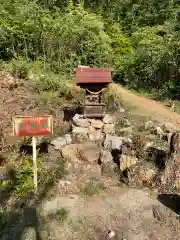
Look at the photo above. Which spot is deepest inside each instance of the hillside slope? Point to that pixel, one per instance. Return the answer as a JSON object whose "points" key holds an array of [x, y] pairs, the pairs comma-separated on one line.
{"points": [[146, 107]]}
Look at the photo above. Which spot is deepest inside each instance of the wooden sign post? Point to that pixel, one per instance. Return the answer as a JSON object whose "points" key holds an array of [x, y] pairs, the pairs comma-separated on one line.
{"points": [[33, 126], [34, 161]]}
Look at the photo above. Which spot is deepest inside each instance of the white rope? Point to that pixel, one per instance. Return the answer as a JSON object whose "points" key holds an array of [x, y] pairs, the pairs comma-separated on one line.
{"points": [[94, 93]]}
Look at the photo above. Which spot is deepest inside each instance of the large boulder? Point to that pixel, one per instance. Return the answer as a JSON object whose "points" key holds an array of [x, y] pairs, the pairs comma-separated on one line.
{"points": [[88, 152]]}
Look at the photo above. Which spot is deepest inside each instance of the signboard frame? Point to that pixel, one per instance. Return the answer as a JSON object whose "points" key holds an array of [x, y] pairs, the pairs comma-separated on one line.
{"points": [[33, 133]]}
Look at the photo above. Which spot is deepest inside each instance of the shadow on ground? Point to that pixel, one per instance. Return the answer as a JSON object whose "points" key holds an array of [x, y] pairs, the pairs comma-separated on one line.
{"points": [[158, 156], [171, 201], [14, 224]]}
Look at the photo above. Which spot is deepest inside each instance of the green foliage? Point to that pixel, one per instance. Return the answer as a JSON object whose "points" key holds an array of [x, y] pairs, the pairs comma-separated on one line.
{"points": [[60, 40], [155, 66], [139, 39], [61, 215], [93, 189], [24, 176], [121, 45]]}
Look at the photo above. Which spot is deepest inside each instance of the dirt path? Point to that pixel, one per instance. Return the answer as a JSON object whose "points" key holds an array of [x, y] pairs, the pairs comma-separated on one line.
{"points": [[146, 107], [126, 211]]}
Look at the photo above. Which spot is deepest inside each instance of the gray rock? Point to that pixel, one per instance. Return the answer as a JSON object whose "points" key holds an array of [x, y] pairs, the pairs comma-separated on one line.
{"points": [[112, 142], [169, 135], [4, 174], [80, 121], [92, 171], [70, 152], [118, 106], [160, 213], [77, 117], [97, 123], [106, 157], [159, 132], [126, 140], [149, 125], [149, 144], [108, 119], [169, 127], [63, 183], [127, 149], [121, 110], [68, 139], [59, 142], [109, 128], [80, 133], [109, 169], [88, 152], [96, 136]]}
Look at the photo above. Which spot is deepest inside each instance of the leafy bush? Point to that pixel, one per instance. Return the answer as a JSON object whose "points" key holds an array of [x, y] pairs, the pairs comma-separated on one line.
{"points": [[139, 39], [24, 176], [60, 40]]}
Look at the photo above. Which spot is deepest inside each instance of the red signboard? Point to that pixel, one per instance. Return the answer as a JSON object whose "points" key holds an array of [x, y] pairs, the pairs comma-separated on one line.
{"points": [[32, 126]]}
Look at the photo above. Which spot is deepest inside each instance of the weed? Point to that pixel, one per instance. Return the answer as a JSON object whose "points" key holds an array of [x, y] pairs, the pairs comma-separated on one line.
{"points": [[60, 215], [46, 180], [24, 176], [20, 69], [177, 106], [93, 189]]}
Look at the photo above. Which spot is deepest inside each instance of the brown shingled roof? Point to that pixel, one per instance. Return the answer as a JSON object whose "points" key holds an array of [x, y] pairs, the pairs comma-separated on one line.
{"points": [[93, 75]]}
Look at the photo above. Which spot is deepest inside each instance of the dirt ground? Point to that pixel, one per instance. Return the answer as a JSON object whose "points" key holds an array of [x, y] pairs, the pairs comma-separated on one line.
{"points": [[128, 212], [146, 107]]}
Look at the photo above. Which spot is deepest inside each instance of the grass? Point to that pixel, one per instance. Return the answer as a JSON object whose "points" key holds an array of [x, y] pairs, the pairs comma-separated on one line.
{"points": [[24, 175], [60, 215], [92, 189], [177, 106]]}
